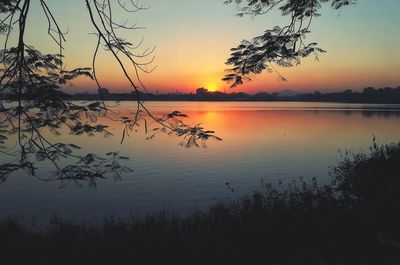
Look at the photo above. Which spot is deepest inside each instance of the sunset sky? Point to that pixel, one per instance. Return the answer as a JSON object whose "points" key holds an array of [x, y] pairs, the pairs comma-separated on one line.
{"points": [[193, 40]]}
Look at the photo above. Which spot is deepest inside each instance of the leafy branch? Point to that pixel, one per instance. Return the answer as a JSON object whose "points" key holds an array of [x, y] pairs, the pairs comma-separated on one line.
{"points": [[282, 46], [32, 105]]}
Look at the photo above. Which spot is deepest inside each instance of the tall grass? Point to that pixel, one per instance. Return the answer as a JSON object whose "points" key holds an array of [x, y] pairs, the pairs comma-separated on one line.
{"points": [[354, 220]]}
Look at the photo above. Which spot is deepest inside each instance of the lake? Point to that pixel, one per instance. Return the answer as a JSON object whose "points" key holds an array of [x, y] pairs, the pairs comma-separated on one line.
{"points": [[269, 141]]}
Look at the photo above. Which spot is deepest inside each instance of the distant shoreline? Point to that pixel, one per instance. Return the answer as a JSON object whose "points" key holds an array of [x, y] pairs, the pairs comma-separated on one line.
{"points": [[239, 101], [369, 95]]}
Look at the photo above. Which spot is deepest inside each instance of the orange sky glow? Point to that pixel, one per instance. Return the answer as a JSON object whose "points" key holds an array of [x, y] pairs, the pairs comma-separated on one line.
{"points": [[193, 40]]}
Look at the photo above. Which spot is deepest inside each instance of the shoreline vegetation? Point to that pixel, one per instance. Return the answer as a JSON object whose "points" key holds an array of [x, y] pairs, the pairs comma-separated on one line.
{"points": [[353, 220], [385, 95]]}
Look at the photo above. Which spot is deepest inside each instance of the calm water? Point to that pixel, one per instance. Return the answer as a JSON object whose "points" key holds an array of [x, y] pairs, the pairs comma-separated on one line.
{"points": [[269, 141]]}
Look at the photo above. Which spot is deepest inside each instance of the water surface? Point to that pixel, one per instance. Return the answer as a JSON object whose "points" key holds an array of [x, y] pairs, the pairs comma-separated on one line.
{"points": [[271, 141]]}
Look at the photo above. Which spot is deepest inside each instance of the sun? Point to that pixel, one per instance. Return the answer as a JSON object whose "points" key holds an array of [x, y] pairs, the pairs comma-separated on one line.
{"points": [[212, 87]]}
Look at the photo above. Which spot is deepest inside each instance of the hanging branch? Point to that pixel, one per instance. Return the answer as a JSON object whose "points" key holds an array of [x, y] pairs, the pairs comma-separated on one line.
{"points": [[32, 103], [101, 14], [282, 46]]}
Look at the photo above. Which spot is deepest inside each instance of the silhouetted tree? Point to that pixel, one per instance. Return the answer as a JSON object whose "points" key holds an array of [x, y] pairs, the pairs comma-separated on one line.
{"points": [[284, 46], [33, 80]]}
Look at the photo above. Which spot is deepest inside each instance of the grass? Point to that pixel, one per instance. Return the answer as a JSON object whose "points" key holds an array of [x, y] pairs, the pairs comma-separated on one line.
{"points": [[354, 220]]}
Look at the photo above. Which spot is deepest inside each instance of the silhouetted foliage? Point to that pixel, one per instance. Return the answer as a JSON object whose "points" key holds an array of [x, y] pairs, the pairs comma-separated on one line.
{"points": [[353, 220], [32, 104], [284, 46], [385, 95], [371, 179]]}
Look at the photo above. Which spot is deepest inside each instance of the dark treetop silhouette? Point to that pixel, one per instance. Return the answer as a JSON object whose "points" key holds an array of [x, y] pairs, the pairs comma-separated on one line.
{"points": [[283, 46], [34, 79], [383, 95]]}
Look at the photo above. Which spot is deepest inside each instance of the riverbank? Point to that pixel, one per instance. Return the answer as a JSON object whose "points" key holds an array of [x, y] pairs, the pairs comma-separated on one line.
{"points": [[353, 220]]}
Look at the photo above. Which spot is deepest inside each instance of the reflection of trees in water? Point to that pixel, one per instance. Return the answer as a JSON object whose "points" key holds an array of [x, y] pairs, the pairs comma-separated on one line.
{"points": [[364, 113], [372, 113], [385, 114]]}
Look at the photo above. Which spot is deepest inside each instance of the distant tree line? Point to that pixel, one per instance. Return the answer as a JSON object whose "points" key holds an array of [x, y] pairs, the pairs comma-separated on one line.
{"points": [[368, 95], [385, 95]]}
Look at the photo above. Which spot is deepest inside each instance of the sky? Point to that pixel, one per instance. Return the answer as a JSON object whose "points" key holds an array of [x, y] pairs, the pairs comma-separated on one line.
{"points": [[193, 40]]}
